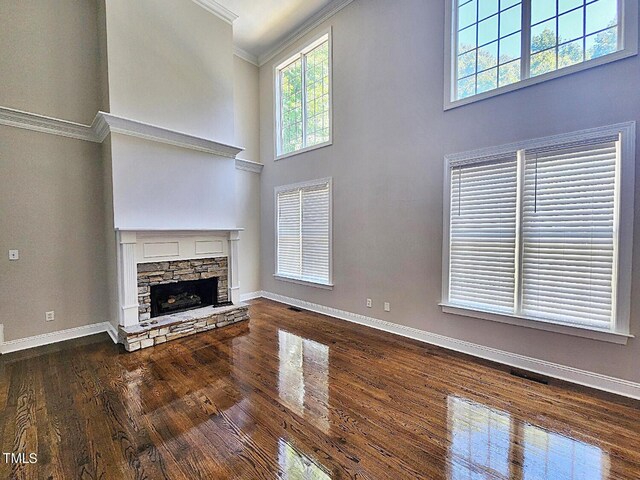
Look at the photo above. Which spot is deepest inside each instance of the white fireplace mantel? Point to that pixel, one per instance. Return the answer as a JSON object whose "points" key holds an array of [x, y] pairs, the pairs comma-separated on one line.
{"points": [[136, 246]]}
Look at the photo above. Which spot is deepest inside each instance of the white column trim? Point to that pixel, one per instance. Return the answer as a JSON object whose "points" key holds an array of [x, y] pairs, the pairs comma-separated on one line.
{"points": [[128, 275], [234, 284]]}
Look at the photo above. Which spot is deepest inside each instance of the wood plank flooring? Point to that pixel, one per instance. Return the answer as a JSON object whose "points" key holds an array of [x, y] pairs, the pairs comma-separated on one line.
{"points": [[297, 395]]}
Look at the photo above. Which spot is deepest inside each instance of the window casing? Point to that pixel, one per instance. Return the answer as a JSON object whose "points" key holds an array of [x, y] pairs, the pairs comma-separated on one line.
{"points": [[533, 231], [495, 46], [304, 233], [303, 99]]}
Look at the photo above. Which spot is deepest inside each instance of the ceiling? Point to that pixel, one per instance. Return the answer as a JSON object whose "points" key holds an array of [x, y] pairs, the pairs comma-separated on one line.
{"points": [[263, 24]]}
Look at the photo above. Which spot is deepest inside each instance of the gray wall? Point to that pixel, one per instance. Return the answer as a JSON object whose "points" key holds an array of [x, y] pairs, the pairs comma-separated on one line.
{"points": [[247, 135], [170, 64], [51, 202], [49, 61], [390, 137], [50, 187]]}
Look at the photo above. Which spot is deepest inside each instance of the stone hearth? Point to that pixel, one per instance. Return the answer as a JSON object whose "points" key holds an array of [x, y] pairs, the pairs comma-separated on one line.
{"points": [[170, 327]]}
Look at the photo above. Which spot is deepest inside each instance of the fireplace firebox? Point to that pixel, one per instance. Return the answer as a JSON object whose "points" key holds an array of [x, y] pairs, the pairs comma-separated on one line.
{"points": [[176, 297]]}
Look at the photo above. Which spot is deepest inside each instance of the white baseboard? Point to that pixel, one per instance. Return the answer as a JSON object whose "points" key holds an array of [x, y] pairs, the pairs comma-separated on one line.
{"points": [[54, 337], [598, 381], [111, 330], [251, 295]]}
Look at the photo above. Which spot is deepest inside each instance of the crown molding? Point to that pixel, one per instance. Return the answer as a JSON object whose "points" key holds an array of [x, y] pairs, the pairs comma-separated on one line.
{"points": [[248, 165], [41, 123], [218, 10], [313, 21], [106, 123], [246, 56]]}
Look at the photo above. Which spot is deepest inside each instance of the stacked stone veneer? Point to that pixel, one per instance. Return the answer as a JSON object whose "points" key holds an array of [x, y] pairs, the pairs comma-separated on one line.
{"points": [[171, 327], [177, 271]]}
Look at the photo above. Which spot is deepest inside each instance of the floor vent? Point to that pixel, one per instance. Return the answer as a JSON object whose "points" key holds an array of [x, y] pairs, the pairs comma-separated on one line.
{"points": [[530, 376], [295, 309]]}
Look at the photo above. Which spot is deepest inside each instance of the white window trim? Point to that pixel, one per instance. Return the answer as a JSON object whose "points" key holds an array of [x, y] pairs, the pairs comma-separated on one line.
{"points": [[315, 41], [619, 332], [295, 186], [629, 47]]}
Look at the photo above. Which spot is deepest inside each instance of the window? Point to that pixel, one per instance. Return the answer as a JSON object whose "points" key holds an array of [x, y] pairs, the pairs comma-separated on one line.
{"points": [[303, 99], [303, 230], [500, 43], [534, 231]]}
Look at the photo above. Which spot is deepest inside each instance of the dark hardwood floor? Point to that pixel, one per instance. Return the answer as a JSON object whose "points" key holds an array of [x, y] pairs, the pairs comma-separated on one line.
{"points": [[296, 395]]}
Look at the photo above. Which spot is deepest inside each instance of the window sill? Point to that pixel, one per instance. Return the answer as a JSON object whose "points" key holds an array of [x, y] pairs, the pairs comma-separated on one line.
{"points": [[325, 286], [619, 338], [612, 57], [303, 150]]}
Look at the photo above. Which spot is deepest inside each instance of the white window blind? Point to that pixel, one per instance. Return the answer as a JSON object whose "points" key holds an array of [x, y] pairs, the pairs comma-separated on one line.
{"points": [[569, 234], [304, 232], [536, 234], [483, 234]]}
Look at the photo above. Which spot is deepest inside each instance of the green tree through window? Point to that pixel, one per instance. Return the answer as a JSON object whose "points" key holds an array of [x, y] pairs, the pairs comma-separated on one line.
{"points": [[304, 100], [488, 53]]}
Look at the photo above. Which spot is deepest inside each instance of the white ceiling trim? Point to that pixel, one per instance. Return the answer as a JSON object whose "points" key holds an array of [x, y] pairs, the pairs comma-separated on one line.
{"points": [[218, 10], [313, 21], [243, 54]]}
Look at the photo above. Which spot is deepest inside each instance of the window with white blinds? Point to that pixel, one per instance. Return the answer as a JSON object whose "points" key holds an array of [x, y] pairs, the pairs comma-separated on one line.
{"points": [[303, 231], [483, 234], [569, 233], [534, 232]]}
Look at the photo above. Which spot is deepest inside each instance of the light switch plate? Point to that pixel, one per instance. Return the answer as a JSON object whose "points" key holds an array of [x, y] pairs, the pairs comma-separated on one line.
{"points": [[14, 254]]}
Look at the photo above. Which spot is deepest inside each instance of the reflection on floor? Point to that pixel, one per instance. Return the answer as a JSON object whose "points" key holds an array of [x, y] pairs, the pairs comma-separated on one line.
{"points": [[297, 466], [487, 442], [295, 396], [302, 377]]}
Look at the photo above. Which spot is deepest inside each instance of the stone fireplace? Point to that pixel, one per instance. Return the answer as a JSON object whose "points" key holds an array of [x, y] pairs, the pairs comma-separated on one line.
{"points": [[173, 284], [170, 287]]}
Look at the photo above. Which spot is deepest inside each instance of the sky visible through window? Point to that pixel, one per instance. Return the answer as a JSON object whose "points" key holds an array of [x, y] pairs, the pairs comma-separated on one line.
{"points": [[489, 47]]}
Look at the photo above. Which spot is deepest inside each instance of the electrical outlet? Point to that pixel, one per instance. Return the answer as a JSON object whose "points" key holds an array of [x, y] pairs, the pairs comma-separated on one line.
{"points": [[368, 303], [50, 316], [14, 254], [387, 307]]}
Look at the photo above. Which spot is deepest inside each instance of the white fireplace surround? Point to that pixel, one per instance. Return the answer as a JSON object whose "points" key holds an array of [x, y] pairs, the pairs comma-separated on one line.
{"points": [[147, 246]]}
